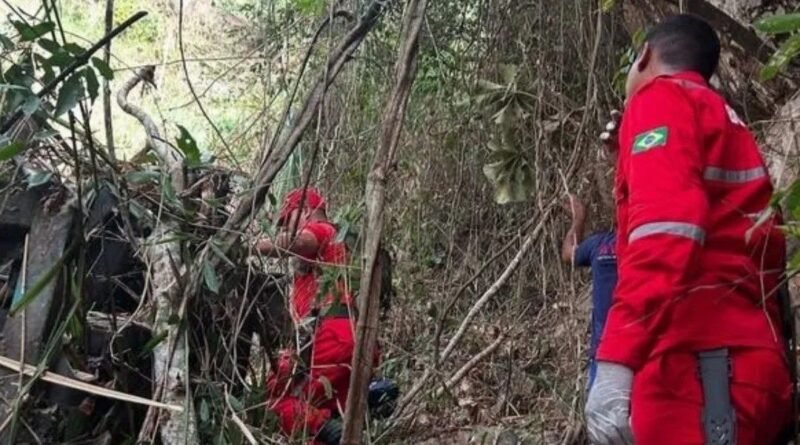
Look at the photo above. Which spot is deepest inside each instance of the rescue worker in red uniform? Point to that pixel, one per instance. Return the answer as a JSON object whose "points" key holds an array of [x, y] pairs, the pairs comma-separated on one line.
{"points": [[308, 389], [692, 352]]}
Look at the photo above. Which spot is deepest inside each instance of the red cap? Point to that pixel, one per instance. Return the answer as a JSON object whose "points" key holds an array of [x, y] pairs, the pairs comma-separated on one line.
{"points": [[313, 201]]}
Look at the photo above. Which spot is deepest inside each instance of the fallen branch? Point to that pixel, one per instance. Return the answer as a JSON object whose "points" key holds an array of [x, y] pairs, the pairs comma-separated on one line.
{"points": [[472, 363], [58, 379], [375, 197]]}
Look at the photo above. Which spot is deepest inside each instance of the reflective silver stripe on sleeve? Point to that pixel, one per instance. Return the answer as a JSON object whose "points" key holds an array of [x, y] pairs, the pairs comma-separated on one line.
{"points": [[686, 230], [734, 176]]}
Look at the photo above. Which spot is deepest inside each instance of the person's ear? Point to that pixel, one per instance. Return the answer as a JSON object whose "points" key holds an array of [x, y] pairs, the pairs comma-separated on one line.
{"points": [[645, 57]]}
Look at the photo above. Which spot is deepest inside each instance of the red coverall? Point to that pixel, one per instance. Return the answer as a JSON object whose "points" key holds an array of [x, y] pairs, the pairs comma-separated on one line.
{"points": [[693, 273], [306, 403]]}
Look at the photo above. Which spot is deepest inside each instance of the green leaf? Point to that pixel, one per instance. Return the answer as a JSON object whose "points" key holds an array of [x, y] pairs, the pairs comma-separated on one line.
{"points": [[74, 49], [779, 24], [21, 73], [7, 43], [188, 145], [788, 50], [510, 174], [489, 86], [38, 178], [103, 67], [49, 45], [509, 73], [31, 104], [92, 85], [344, 230], [218, 252], [10, 149], [638, 39], [769, 71], [501, 117], [61, 59], [47, 67], [309, 7], [8, 86], [793, 200], [608, 5], [48, 276], [44, 134], [204, 411], [142, 176], [137, 210], [152, 343], [210, 278], [794, 264], [168, 190], [69, 95], [236, 404], [29, 33]]}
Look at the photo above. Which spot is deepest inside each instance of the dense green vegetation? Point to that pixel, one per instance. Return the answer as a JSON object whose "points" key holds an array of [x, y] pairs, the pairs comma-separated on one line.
{"points": [[502, 122]]}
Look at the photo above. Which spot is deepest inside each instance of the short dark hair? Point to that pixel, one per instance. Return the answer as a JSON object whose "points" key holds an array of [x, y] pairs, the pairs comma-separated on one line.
{"points": [[686, 42]]}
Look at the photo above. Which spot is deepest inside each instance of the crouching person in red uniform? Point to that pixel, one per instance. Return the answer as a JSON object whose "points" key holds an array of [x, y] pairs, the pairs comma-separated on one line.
{"points": [[692, 352], [308, 389]]}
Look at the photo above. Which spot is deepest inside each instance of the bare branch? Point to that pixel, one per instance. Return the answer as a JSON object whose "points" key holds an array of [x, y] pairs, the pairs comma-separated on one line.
{"points": [[107, 85], [472, 363]]}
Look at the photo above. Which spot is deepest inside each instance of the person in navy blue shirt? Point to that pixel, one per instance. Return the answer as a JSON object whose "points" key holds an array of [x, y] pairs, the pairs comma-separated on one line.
{"points": [[598, 253]]}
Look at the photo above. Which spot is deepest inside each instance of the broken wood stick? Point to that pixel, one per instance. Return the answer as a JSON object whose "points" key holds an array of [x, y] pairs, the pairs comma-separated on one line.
{"points": [[471, 364], [58, 379]]}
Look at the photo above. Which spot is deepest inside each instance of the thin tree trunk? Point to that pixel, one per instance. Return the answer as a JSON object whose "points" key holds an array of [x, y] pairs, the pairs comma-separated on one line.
{"points": [[368, 303], [107, 85]]}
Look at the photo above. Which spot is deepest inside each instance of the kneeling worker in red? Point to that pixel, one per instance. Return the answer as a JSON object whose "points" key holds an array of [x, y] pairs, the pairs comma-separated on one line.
{"points": [[309, 388], [692, 351]]}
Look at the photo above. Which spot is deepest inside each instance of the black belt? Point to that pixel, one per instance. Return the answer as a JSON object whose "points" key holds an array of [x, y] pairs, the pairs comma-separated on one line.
{"points": [[719, 417]]}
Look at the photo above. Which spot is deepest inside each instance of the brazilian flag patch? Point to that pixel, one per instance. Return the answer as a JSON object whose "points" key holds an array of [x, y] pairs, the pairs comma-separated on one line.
{"points": [[650, 139]]}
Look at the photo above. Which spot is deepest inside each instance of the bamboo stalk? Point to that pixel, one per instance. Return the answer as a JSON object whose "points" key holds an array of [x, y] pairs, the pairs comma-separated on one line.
{"points": [[58, 379]]}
